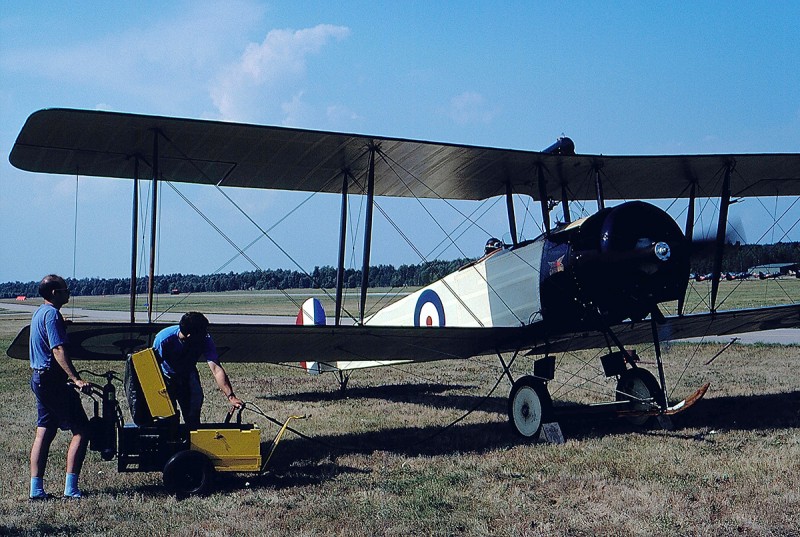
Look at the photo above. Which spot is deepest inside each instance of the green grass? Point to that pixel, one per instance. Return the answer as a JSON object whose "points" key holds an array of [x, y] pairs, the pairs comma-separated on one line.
{"points": [[750, 293], [286, 303], [379, 461]]}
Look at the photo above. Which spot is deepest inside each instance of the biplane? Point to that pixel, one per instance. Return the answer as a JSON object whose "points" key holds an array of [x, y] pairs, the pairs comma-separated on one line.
{"points": [[600, 281]]}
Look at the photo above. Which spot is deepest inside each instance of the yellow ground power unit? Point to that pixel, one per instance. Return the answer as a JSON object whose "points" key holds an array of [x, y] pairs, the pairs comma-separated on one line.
{"points": [[231, 448], [158, 441]]}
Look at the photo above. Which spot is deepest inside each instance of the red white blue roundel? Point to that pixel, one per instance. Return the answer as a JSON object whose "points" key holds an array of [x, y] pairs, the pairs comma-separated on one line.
{"points": [[429, 310]]}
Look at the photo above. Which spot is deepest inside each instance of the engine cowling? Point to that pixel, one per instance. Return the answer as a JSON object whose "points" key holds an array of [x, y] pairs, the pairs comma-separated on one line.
{"points": [[619, 263]]}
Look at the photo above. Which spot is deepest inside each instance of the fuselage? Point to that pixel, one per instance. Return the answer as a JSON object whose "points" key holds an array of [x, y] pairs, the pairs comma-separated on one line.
{"points": [[616, 264]]}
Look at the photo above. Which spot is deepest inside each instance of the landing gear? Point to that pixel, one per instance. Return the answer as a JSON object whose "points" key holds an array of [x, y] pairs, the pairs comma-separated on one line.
{"points": [[529, 406], [641, 388], [188, 472]]}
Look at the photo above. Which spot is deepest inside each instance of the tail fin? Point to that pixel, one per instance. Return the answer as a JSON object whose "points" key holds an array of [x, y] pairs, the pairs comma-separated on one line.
{"points": [[311, 313]]}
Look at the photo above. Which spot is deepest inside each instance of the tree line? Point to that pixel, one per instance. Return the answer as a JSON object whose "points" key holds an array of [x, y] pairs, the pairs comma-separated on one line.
{"points": [[737, 258], [740, 257], [320, 277]]}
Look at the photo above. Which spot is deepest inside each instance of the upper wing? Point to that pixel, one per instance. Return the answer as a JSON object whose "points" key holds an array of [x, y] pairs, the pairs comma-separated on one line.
{"points": [[293, 343], [108, 144]]}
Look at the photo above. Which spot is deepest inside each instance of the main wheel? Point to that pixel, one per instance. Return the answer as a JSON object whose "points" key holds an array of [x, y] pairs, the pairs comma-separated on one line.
{"points": [[188, 472], [641, 388], [529, 406]]}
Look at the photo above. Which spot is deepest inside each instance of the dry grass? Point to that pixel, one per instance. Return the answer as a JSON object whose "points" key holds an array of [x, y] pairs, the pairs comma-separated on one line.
{"points": [[380, 463], [271, 302]]}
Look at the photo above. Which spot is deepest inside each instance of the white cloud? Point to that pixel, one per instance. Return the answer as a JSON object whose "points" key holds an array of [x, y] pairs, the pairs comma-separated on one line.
{"points": [[268, 75], [165, 66], [338, 114], [295, 111], [471, 107]]}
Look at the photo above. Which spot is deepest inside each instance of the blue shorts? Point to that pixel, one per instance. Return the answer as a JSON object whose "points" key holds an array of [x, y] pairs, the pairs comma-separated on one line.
{"points": [[58, 404]]}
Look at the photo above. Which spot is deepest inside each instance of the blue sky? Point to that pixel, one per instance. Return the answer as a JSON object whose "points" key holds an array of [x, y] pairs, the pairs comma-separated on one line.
{"points": [[619, 78]]}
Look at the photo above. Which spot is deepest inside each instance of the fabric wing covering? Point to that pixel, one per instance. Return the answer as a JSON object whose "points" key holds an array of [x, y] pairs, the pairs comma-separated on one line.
{"points": [[107, 144], [292, 343]]}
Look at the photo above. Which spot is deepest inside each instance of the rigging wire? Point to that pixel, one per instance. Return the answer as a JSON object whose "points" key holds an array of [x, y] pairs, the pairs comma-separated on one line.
{"points": [[260, 228], [75, 239], [444, 282], [433, 253]]}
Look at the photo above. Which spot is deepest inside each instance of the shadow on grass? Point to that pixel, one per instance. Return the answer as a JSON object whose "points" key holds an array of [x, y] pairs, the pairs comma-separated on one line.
{"points": [[41, 528], [745, 413], [310, 461], [430, 394]]}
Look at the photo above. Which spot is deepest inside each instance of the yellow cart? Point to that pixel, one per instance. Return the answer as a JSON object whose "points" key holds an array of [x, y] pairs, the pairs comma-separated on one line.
{"points": [[188, 458]]}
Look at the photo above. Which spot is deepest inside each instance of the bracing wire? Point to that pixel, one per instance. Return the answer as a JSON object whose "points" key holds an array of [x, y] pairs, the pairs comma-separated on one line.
{"points": [[75, 238], [259, 227], [391, 165]]}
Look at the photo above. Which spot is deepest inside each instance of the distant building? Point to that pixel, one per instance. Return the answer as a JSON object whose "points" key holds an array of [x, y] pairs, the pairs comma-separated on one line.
{"points": [[775, 269]]}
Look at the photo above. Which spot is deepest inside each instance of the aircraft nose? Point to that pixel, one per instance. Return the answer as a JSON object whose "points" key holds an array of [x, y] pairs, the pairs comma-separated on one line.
{"points": [[641, 260]]}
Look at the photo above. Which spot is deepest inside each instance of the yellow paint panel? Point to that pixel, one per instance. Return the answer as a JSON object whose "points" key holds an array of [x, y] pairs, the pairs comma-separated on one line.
{"points": [[152, 382], [230, 450]]}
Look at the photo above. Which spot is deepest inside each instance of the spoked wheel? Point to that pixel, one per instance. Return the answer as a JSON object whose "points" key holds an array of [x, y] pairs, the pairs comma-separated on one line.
{"points": [[641, 388], [188, 472], [529, 406]]}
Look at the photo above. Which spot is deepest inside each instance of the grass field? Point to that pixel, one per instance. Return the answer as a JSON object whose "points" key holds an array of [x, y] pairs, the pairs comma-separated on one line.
{"points": [[733, 294], [271, 302], [381, 461]]}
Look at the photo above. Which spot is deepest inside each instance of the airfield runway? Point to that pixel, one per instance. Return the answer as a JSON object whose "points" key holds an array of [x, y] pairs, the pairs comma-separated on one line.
{"points": [[82, 314], [781, 336]]}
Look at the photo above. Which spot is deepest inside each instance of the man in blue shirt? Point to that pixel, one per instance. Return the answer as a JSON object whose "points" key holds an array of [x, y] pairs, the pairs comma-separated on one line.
{"points": [[178, 349], [58, 404]]}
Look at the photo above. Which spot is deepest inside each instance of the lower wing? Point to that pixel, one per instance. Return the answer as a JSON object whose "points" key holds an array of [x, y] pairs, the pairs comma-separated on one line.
{"points": [[298, 343]]}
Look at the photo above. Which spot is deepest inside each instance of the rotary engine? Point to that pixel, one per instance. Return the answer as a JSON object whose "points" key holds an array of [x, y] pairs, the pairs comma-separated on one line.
{"points": [[619, 263]]}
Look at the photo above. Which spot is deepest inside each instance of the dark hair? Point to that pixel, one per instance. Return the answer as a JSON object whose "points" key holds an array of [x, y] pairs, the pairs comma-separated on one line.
{"points": [[194, 324], [50, 283]]}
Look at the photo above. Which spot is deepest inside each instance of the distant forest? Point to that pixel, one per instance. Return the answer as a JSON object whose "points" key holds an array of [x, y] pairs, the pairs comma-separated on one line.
{"points": [[738, 258], [320, 277]]}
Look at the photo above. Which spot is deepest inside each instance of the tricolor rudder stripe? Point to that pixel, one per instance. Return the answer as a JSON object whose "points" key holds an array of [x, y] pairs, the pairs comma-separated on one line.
{"points": [[311, 313]]}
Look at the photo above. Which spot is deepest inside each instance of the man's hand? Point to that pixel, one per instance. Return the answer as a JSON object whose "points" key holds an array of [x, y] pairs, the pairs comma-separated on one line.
{"points": [[83, 386], [235, 401]]}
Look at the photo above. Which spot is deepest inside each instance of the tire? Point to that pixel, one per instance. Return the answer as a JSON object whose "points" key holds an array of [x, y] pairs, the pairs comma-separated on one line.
{"points": [[637, 384], [529, 406], [188, 472]]}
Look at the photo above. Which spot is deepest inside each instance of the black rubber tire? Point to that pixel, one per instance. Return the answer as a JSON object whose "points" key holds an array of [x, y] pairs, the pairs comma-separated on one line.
{"points": [[188, 472], [642, 384], [529, 406]]}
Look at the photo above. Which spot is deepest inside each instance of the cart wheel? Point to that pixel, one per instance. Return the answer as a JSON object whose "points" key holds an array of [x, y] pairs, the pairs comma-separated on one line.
{"points": [[529, 405], [636, 384], [188, 472]]}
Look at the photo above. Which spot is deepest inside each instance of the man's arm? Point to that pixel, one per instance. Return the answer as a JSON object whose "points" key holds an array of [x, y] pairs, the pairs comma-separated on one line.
{"points": [[224, 384], [60, 354]]}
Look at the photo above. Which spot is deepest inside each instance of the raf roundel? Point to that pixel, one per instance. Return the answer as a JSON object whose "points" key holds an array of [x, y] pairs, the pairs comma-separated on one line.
{"points": [[429, 310]]}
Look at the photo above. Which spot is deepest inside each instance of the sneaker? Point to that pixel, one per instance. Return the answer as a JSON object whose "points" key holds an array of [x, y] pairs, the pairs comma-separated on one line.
{"points": [[41, 497]]}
